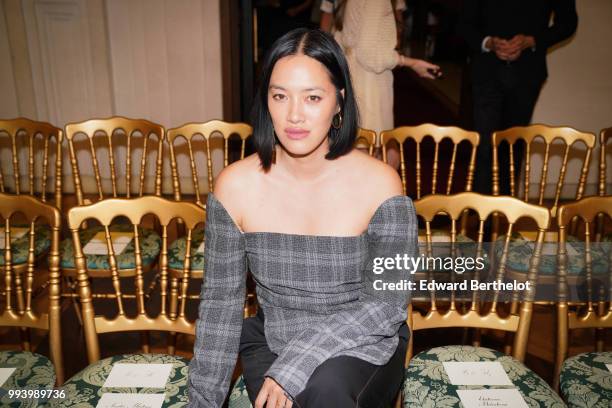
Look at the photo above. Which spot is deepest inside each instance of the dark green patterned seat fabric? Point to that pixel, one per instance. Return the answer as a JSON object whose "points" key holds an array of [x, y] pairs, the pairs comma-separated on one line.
{"points": [[84, 389], [586, 382], [520, 251], [33, 371], [427, 385], [20, 247], [238, 397], [177, 250], [150, 244]]}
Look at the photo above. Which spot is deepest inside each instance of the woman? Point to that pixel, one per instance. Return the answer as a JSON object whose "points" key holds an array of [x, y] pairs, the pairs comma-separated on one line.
{"points": [[367, 31], [308, 214]]}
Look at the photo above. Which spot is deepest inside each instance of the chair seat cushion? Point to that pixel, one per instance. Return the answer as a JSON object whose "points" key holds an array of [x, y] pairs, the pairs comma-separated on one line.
{"points": [[520, 251], [33, 371], [427, 385], [586, 381], [150, 244], [177, 250], [21, 246], [84, 389], [238, 397]]}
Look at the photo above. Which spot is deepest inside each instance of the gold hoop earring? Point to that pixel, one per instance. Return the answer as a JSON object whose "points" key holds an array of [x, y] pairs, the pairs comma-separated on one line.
{"points": [[337, 121]]}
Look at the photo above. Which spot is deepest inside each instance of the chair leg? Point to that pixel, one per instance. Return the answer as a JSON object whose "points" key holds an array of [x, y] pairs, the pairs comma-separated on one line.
{"points": [[145, 342], [173, 312], [26, 343]]}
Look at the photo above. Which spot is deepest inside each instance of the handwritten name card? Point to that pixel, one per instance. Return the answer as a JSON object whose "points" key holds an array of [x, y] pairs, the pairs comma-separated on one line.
{"points": [[138, 375], [476, 373], [97, 245], [5, 373], [491, 398], [16, 233], [109, 400]]}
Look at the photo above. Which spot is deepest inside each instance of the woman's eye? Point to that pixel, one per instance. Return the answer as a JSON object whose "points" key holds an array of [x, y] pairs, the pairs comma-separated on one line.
{"points": [[278, 97], [314, 98]]}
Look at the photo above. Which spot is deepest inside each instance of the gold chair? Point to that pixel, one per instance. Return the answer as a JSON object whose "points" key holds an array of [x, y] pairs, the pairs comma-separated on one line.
{"points": [[99, 134], [548, 135], [134, 311], [438, 133], [103, 131], [366, 139], [38, 138], [426, 382], [604, 137], [30, 288], [190, 132], [583, 375]]}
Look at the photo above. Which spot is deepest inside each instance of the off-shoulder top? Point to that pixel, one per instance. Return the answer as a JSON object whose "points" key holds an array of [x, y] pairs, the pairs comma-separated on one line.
{"points": [[317, 294]]}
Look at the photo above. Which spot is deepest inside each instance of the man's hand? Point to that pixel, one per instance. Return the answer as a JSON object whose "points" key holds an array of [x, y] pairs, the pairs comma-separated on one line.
{"points": [[273, 394], [510, 50]]}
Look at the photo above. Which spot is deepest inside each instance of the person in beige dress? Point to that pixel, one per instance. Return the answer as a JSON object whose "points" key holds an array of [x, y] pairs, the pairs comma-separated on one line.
{"points": [[366, 30]]}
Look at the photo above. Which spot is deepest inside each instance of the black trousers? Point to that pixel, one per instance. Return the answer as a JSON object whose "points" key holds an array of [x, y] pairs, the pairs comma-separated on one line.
{"points": [[502, 98], [339, 382]]}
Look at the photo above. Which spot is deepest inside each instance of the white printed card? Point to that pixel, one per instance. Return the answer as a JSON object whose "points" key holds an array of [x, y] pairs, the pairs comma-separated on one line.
{"points": [[5, 373], [138, 375], [97, 245], [498, 398], [476, 373], [109, 400]]}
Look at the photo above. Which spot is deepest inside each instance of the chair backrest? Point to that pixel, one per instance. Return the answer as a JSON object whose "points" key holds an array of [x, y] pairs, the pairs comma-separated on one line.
{"points": [[99, 137], [18, 264], [438, 134], [445, 311], [366, 138], [547, 134], [604, 137], [43, 142], [596, 312], [149, 314], [191, 132]]}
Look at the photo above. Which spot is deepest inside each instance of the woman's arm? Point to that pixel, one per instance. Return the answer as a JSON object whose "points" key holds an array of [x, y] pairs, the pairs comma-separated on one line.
{"points": [[377, 315], [220, 313]]}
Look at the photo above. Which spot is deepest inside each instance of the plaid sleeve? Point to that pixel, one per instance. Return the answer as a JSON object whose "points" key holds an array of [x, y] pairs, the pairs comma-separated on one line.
{"points": [[220, 312], [377, 316]]}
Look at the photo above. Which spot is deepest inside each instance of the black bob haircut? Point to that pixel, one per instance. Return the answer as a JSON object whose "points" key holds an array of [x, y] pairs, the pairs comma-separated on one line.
{"points": [[322, 47]]}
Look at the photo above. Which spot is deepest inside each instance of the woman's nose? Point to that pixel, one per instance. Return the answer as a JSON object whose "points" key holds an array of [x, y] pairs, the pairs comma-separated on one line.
{"points": [[296, 114]]}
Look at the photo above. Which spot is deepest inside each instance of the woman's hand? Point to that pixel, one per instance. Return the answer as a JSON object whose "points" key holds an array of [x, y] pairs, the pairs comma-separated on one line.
{"points": [[273, 394], [421, 67]]}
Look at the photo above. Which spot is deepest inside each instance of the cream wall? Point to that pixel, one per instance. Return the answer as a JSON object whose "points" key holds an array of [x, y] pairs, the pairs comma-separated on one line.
{"points": [[578, 92], [71, 60]]}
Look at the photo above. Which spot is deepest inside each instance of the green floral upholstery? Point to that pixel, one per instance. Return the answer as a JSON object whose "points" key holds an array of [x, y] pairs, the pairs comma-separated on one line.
{"points": [[33, 371], [239, 397], [427, 385], [586, 382], [177, 250], [150, 244], [84, 389], [20, 247], [520, 252]]}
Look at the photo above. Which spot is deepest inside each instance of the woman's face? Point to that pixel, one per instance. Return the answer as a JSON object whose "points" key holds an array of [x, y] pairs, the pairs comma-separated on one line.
{"points": [[302, 103]]}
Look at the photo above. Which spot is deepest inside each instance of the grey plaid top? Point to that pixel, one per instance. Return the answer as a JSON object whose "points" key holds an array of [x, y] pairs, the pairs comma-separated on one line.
{"points": [[316, 293]]}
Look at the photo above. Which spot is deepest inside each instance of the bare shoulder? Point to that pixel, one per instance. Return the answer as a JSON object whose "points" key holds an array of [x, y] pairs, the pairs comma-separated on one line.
{"points": [[235, 183], [378, 180]]}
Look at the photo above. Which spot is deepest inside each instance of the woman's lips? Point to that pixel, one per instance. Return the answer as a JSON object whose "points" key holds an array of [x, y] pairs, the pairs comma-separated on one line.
{"points": [[296, 134]]}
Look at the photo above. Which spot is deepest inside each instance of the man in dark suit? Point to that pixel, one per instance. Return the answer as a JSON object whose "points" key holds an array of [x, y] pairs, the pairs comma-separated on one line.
{"points": [[508, 40]]}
